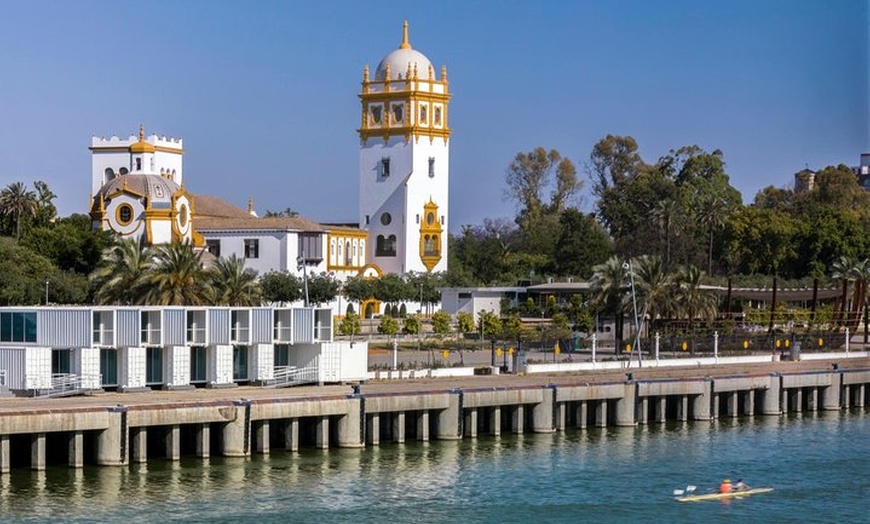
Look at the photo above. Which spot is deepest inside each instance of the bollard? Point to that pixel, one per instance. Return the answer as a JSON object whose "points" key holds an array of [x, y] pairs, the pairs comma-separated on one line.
{"points": [[716, 344], [657, 344], [594, 345]]}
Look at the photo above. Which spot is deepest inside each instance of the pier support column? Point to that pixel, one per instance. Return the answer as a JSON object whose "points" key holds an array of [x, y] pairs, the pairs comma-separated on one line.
{"points": [[542, 412], [625, 405], [813, 400], [5, 457], [859, 398], [683, 415], [799, 400], [37, 452], [373, 429], [321, 437], [237, 431], [139, 445], [423, 426], [203, 441], [847, 397], [731, 405], [661, 407], [399, 427], [173, 442], [449, 420], [561, 416], [350, 426], [495, 421], [601, 413], [518, 420], [112, 441], [783, 401], [831, 394], [291, 435], [76, 449], [771, 405], [749, 403], [643, 413], [262, 443], [717, 401], [701, 403], [582, 414], [471, 423]]}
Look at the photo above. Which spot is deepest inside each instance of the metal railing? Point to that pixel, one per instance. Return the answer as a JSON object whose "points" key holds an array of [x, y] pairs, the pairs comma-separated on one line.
{"points": [[287, 376], [68, 384]]}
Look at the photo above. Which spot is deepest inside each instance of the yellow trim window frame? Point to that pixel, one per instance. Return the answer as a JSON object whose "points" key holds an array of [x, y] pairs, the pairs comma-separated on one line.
{"points": [[124, 214]]}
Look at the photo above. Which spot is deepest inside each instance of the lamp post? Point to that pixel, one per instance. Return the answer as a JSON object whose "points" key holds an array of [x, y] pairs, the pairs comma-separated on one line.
{"points": [[46, 291], [300, 264], [627, 266]]}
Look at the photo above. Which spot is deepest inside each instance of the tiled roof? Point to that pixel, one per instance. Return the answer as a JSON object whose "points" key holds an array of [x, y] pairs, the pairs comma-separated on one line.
{"points": [[212, 206]]}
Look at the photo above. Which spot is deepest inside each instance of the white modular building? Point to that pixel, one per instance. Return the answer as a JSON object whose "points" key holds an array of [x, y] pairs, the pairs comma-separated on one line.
{"points": [[131, 348]]}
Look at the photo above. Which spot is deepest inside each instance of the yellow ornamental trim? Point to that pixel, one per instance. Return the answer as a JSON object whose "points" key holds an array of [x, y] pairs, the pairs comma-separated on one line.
{"points": [[431, 236]]}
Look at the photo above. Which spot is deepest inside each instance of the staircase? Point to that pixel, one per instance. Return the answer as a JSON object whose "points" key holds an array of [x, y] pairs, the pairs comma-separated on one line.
{"points": [[68, 384], [287, 376]]}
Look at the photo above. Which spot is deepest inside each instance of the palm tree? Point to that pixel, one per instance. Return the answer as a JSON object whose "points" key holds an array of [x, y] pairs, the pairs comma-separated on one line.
{"points": [[177, 277], [665, 214], [17, 202], [851, 269], [693, 301], [232, 284], [610, 288], [711, 217], [654, 286], [122, 273]]}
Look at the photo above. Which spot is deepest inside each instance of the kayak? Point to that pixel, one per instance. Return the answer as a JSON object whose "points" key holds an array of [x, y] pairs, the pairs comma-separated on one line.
{"points": [[721, 496]]}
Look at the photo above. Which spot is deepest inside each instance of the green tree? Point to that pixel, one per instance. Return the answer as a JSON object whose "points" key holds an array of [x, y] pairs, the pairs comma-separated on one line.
{"points": [[583, 243], [322, 288], [609, 287], [280, 286], [70, 243], [692, 300], [613, 160], [411, 325], [359, 288], [122, 275], [489, 324], [441, 323], [654, 287], [350, 325], [392, 288], [232, 284], [18, 204], [176, 277], [388, 326], [465, 322]]}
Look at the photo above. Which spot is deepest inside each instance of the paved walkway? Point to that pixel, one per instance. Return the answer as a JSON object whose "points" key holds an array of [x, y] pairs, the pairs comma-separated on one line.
{"points": [[212, 396]]}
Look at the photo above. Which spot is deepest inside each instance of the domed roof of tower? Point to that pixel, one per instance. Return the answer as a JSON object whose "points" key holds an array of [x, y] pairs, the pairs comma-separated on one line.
{"points": [[157, 189], [401, 59]]}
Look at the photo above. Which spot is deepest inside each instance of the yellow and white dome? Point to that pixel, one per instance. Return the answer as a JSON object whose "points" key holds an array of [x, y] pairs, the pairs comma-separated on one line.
{"points": [[402, 59]]}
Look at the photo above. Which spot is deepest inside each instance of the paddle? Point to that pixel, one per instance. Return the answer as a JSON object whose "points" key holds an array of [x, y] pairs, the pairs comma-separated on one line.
{"points": [[689, 489]]}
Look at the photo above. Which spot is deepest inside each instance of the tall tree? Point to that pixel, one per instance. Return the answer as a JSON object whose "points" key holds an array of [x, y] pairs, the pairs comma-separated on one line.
{"points": [[232, 284], [18, 204], [280, 286], [582, 244], [613, 159], [121, 277], [322, 288], [177, 277], [609, 290]]}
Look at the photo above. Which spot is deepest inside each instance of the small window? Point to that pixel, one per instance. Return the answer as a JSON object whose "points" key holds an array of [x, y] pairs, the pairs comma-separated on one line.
{"points": [[430, 218], [424, 116], [182, 216], [431, 167], [385, 167], [123, 171], [386, 219], [213, 247], [138, 164], [437, 116], [376, 115], [367, 220], [125, 214], [418, 218], [252, 248], [398, 113]]}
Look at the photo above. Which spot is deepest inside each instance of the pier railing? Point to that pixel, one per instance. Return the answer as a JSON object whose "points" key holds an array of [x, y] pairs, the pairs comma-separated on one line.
{"points": [[287, 376], [68, 384]]}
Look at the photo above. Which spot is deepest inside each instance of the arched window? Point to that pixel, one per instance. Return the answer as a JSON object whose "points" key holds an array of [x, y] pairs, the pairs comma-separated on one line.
{"points": [[109, 175], [123, 171], [386, 246], [348, 256]]}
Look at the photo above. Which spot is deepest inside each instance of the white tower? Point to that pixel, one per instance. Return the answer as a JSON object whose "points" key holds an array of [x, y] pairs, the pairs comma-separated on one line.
{"points": [[403, 162]]}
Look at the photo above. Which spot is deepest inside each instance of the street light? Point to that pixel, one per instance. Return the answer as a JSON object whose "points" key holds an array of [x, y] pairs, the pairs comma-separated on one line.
{"points": [[628, 267], [300, 264], [46, 291]]}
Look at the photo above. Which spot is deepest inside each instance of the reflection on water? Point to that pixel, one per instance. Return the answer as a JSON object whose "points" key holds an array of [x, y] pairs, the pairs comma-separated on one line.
{"points": [[599, 474]]}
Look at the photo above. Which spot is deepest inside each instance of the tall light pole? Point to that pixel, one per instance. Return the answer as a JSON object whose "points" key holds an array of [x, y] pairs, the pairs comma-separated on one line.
{"points": [[300, 261], [636, 345], [46, 291]]}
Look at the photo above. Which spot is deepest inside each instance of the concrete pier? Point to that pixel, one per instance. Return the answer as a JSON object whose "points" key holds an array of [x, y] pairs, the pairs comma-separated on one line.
{"points": [[117, 434]]}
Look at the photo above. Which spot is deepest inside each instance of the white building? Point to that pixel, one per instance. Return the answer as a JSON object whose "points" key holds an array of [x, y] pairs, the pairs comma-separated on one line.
{"points": [[403, 163], [130, 348], [137, 190]]}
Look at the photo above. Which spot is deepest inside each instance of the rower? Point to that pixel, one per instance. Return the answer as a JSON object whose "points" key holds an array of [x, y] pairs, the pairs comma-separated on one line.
{"points": [[725, 487]]}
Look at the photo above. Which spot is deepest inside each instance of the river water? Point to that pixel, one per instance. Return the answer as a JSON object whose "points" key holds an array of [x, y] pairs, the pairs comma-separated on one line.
{"points": [[819, 465]]}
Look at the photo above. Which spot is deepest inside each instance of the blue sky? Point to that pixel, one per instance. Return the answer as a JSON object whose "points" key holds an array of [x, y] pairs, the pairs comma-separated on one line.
{"points": [[265, 93]]}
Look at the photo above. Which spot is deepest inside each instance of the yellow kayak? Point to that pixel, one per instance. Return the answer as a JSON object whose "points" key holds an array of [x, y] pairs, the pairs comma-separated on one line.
{"points": [[720, 496]]}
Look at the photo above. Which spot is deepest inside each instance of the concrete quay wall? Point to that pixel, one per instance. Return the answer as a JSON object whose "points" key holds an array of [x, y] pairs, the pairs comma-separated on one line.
{"points": [[117, 435]]}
